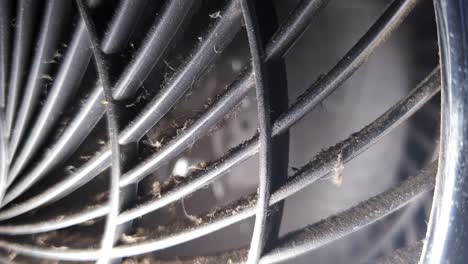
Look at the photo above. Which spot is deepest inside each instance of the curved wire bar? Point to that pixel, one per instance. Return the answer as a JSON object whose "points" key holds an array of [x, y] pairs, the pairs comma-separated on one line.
{"points": [[262, 91], [109, 235]]}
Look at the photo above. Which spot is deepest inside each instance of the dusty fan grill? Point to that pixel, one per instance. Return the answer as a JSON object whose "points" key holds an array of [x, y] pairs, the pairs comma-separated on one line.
{"points": [[35, 145]]}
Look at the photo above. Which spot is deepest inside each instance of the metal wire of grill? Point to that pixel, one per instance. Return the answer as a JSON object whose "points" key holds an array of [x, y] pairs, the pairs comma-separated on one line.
{"points": [[109, 233], [262, 91], [19, 178]]}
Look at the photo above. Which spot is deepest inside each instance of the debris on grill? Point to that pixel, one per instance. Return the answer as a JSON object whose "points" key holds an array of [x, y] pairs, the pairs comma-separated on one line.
{"points": [[229, 257], [337, 176]]}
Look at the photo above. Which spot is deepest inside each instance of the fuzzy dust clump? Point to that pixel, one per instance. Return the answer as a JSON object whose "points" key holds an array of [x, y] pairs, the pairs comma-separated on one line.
{"points": [[337, 173]]}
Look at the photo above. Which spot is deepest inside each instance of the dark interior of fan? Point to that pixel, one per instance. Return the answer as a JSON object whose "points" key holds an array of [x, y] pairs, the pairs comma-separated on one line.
{"points": [[195, 131]]}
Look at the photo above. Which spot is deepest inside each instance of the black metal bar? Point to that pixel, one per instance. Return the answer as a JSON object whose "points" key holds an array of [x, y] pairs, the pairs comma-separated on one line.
{"points": [[269, 26], [447, 234], [262, 91], [110, 234]]}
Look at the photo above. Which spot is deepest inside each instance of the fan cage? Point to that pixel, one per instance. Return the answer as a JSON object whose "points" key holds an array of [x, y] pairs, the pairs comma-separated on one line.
{"points": [[21, 145]]}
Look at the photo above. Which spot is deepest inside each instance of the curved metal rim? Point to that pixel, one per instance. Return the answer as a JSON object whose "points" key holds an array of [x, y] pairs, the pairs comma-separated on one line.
{"points": [[447, 235]]}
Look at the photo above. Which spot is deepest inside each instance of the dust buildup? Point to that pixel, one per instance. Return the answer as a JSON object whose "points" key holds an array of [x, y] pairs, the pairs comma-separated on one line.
{"points": [[156, 189], [230, 257], [216, 14], [63, 239], [138, 236], [337, 176], [46, 77], [231, 209], [189, 216], [183, 224]]}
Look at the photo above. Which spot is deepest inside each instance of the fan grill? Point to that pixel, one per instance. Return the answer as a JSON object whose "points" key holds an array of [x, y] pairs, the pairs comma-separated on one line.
{"points": [[22, 148]]}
